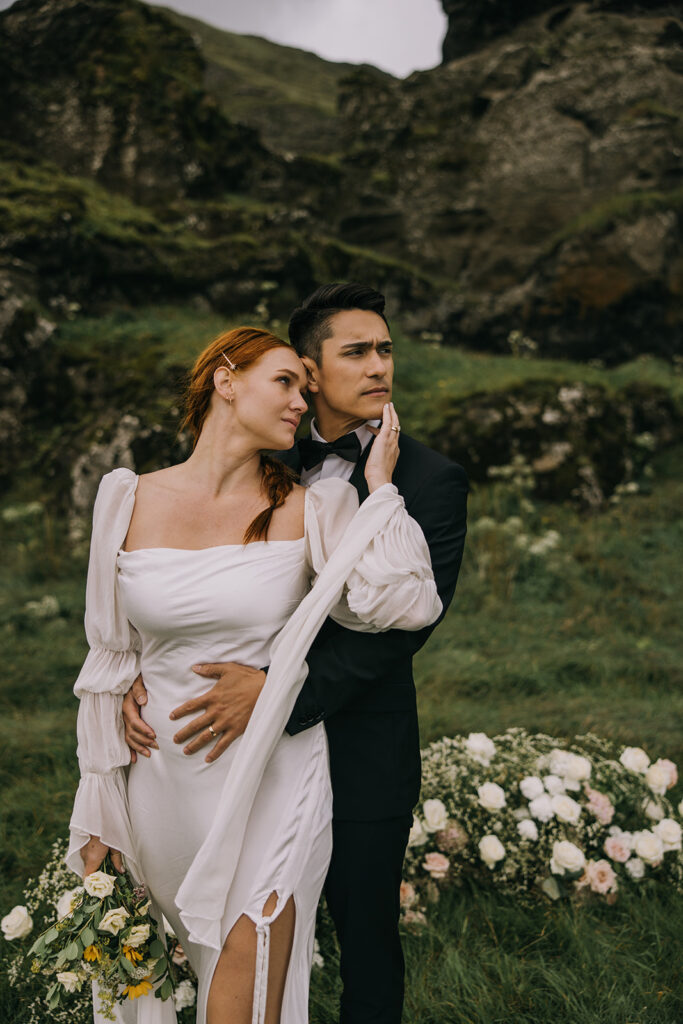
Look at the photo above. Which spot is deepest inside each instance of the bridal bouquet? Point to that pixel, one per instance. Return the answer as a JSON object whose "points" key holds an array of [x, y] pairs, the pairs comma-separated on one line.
{"points": [[99, 931], [529, 813]]}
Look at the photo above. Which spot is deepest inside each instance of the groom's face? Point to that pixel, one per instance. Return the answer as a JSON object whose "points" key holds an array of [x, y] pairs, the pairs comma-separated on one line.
{"points": [[353, 379]]}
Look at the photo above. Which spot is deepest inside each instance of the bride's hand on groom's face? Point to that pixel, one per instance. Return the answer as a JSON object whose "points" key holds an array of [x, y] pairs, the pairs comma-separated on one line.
{"points": [[223, 711], [383, 456]]}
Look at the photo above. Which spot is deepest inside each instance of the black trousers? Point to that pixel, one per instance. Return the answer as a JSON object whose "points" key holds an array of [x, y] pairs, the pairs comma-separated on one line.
{"points": [[362, 892]]}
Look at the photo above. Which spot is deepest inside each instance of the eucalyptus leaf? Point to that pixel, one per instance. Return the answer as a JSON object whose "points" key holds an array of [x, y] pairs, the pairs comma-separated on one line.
{"points": [[166, 989], [156, 948], [159, 970], [87, 936], [50, 936], [73, 950], [127, 965]]}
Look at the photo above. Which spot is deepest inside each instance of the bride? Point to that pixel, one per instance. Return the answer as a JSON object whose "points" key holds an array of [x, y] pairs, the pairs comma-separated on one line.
{"points": [[225, 558]]}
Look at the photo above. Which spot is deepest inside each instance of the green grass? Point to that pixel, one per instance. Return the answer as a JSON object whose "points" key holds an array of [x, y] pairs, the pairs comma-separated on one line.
{"points": [[257, 65], [589, 638]]}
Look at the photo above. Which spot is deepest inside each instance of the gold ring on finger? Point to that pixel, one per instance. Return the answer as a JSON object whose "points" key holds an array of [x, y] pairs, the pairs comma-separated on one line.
{"points": [[397, 429], [213, 732]]}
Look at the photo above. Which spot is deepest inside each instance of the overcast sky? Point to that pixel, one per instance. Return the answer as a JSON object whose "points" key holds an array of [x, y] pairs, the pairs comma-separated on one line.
{"points": [[396, 35]]}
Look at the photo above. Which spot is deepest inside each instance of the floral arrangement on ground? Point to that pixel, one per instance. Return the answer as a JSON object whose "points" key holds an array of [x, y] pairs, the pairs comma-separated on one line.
{"points": [[529, 814], [524, 813]]}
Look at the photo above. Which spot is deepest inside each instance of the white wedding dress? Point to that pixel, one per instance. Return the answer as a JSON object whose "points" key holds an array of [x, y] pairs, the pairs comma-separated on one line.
{"points": [[213, 841]]}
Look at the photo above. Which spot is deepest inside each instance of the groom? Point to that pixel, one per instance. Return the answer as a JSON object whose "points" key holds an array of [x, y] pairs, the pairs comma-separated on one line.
{"points": [[360, 684]]}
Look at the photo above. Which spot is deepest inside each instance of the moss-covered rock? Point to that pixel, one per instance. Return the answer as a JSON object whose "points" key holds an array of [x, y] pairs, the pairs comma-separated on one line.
{"points": [[579, 441], [113, 89], [539, 173]]}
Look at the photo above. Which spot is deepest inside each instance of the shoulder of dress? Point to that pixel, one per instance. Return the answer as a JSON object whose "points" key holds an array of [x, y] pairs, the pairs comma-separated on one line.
{"points": [[115, 487]]}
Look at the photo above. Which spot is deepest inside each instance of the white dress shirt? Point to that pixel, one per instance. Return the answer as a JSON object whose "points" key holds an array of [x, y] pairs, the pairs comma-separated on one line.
{"points": [[335, 465]]}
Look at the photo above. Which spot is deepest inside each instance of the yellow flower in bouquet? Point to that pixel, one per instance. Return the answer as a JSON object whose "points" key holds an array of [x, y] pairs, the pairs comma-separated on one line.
{"points": [[141, 989]]}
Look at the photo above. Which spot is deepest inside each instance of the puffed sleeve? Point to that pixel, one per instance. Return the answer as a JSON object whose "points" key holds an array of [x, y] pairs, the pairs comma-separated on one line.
{"points": [[392, 584], [112, 663]]}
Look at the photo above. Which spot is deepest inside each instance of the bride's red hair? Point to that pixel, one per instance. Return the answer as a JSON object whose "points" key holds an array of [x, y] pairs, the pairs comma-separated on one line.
{"points": [[243, 346]]}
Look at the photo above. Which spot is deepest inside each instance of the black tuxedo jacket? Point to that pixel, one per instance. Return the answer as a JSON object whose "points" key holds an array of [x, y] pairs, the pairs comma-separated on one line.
{"points": [[361, 684]]}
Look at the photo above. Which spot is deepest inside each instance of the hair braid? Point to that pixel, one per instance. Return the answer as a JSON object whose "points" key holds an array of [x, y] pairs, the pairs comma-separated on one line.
{"points": [[278, 481]]}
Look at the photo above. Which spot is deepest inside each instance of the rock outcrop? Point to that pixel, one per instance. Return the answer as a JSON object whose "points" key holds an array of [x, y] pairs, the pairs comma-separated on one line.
{"points": [[113, 90], [538, 178], [474, 23], [578, 441]]}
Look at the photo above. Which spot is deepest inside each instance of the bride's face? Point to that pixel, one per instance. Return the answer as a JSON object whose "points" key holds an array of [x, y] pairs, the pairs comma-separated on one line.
{"points": [[268, 400]]}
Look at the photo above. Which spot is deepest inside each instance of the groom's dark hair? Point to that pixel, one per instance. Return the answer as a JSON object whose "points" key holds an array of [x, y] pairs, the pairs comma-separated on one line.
{"points": [[310, 322]]}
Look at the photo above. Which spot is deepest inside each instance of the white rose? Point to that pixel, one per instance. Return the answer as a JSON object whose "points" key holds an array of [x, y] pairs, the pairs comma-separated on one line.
{"points": [[635, 867], [566, 858], [559, 761], [318, 960], [521, 812], [635, 759], [417, 835], [99, 884], [491, 796], [17, 924], [653, 810], [70, 981], [435, 815], [531, 787], [669, 831], [553, 784], [648, 847], [491, 850], [578, 768], [542, 807], [527, 829], [657, 778], [565, 808], [480, 747], [114, 920], [184, 995], [138, 935], [65, 901]]}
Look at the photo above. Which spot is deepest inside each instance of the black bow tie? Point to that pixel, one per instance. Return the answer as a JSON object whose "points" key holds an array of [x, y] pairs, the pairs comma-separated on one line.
{"points": [[313, 452]]}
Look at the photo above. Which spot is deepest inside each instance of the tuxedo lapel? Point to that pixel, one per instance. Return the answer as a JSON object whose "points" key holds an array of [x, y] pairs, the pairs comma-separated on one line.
{"points": [[358, 476]]}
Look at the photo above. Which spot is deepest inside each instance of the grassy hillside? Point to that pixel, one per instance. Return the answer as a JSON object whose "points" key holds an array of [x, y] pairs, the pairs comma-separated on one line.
{"points": [[290, 95]]}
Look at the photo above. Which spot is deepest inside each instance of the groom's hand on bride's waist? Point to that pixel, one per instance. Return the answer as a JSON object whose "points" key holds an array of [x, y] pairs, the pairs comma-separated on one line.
{"points": [[226, 707], [223, 711]]}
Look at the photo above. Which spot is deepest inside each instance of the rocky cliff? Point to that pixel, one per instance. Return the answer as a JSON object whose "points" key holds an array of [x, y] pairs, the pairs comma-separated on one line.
{"points": [[113, 90], [538, 176]]}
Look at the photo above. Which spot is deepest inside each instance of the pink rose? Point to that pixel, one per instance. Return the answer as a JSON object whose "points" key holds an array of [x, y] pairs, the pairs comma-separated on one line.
{"points": [[436, 865], [452, 839], [414, 917], [616, 849], [178, 955], [599, 874], [408, 894], [671, 769], [599, 805]]}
